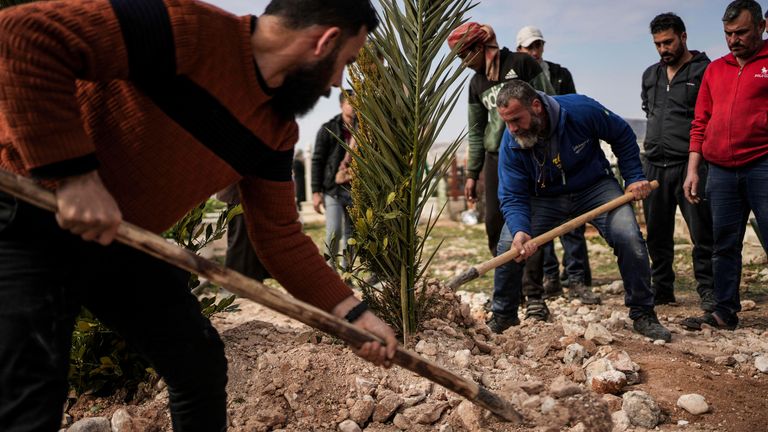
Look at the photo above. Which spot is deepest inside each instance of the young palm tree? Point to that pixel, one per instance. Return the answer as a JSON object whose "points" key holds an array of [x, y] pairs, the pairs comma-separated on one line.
{"points": [[404, 93]]}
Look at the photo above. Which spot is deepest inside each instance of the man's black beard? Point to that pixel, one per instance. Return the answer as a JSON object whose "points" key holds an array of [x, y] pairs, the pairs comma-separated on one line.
{"points": [[676, 57], [303, 87]]}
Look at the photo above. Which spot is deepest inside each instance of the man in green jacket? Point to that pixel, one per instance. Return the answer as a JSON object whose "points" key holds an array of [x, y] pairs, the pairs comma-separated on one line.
{"points": [[493, 67]]}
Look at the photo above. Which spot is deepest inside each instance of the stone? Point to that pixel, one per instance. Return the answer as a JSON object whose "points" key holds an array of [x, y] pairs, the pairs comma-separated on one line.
{"points": [[578, 428], [401, 422], [598, 334], [386, 407], [761, 363], [748, 305], [91, 424], [595, 368], [426, 348], [462, 358], [574, 330], [641, 409], [364, 386], [659, 342], [470, 415], [615, 287], [427, 413], [620, 421], [533, 402], [583, 310], [575, 354], [563, 387], [362, 409], [613, 402], [621, 361], [548, 405], [122, 421], [725, 360], [693, 403], [610, 382], [349, 426], [532, 387]]}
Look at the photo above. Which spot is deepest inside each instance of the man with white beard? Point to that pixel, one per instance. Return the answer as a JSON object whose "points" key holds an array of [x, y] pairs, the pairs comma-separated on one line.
{"points": [[551, 169]]}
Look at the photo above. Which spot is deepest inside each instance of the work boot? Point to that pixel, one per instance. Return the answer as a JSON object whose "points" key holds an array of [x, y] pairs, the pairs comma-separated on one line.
{"points": [[708, 302], [552, 287], [536, 310], [577, 290], [664, 299], [499, 323], [648, 325]]}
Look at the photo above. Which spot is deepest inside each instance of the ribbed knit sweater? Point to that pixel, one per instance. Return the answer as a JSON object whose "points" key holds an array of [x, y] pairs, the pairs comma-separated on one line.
{"points": [[165, 100]]}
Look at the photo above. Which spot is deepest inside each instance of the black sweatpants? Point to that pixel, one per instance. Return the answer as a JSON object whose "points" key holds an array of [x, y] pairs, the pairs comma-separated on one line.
{"points": [[47, 274]]}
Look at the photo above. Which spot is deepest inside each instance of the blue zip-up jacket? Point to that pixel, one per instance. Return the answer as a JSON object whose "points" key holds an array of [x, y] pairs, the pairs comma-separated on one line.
{"points": [[574, 144]]}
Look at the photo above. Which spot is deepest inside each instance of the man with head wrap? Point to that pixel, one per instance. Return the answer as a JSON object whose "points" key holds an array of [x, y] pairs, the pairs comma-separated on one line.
{"points": [[493, 66]]}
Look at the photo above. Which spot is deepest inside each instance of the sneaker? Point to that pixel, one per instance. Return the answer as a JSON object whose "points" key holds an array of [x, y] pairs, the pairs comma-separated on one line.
{"points": [[710, 319], [499, 323], [648, 325], [552, 288], [577, 290], [536, 310]]}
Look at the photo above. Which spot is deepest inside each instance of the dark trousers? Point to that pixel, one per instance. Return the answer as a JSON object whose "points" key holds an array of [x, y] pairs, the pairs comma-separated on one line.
{"points": [[618, 227], [732, 193], [241, 256], [575, 258], [46, 275], [494, 220], [659, 209]]}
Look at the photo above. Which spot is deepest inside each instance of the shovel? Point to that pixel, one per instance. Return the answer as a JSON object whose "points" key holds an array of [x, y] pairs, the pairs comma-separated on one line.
{"points": [[475, 272], [148, 242]]}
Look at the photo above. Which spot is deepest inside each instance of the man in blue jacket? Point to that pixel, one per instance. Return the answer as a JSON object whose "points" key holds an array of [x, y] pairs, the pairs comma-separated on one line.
{"points": [[551, 168]]}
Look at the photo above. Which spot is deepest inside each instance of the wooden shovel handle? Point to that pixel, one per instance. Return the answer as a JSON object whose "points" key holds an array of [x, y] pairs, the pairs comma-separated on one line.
{"points": [[148, 242], [482, 268]]}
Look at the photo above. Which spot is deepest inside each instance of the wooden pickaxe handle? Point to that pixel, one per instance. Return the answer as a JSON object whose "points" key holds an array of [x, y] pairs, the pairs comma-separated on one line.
{"points": [[480, 269], [148, 242]]}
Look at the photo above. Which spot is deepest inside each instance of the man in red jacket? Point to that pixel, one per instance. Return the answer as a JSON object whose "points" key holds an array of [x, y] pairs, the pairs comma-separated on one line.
{"points": [[730, 132]]}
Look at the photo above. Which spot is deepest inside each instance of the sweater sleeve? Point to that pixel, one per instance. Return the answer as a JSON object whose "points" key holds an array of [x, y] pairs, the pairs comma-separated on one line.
{"points": [[287, 253], [702, 114], [44, 48]]}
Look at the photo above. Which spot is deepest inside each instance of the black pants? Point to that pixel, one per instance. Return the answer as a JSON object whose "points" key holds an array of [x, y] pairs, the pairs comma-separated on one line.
{"points": [[659, 209], [241, 256], [46, 275], [494, 220]]}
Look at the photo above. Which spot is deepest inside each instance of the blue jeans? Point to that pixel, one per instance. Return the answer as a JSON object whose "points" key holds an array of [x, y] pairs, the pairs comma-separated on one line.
{"points": [[732, 193], [619, 228], [338, 227], [47, 274]]}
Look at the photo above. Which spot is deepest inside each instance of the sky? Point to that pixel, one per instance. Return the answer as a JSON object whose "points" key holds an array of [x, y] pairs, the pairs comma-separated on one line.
{"points": [[606, 44]]}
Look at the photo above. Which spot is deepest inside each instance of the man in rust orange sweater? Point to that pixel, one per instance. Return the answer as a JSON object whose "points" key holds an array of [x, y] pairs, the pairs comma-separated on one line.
{"points": [[139, 110]]}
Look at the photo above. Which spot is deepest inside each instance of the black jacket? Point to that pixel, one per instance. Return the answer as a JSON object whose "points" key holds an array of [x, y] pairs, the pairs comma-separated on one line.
{"points": [[561, 79], [669, 108], [327, 156]]}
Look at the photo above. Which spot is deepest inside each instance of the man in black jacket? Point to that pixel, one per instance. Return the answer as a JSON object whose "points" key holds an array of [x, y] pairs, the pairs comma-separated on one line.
{"points": [[326, 158], [530, 40], [669, 92]]}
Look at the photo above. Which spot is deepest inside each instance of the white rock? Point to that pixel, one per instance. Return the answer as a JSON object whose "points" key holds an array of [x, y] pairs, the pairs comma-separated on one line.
{"points": [[761, 363], [693, 403], [575, 354], [470, 415], [122, 421], [620, 421], [462, 358], [547, 405], [364, 386], [610, 382], [659, 342], [683, 422], [748, 305], [91, 424], [641, 409], [597, 367], [426, 348], [362, 409], [616, 287], [598, 334], [349, 426], [574, 330], [583, 310]]}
